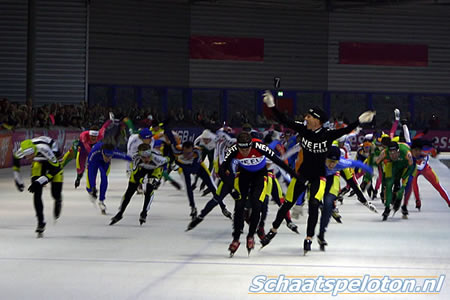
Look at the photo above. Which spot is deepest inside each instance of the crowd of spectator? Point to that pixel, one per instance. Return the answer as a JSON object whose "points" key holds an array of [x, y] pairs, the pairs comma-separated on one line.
{"points": [[15, 115]]}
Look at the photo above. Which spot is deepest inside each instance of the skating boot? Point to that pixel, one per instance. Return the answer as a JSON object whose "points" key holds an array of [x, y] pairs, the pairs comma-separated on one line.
{"points": [[404, 212], [116, 219], [57, 209], [93, 195], [143, 217], [397, 203], [386, 213], [322, 243], [374, 194], [193, 213], [102, 206], [40, 230], [352, 193], [206, 192], [340, 199], [419, 205], [77, 181], [306, 246], [291, 225], [250, 244], [336, 216], [195, 221], [261, 233], [175, 184], [370, 206], [233, 247], [227, 213], [267, 238], [344, 191]]}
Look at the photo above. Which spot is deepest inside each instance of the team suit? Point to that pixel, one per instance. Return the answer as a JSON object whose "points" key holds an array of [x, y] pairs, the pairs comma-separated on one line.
{"points": [[45, 168], [251, 182]]}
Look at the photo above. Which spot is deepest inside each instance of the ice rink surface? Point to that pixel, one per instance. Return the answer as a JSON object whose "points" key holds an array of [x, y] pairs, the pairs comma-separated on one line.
{"points": [[81, 257]]}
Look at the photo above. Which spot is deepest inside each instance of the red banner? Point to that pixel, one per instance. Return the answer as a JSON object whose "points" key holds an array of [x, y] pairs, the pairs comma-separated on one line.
{"points": [[383, 54], [226, 48], [10, 142]]}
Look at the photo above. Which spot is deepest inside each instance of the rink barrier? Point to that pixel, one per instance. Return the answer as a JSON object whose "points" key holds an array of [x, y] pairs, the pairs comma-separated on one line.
{"points": [[10, 141]]}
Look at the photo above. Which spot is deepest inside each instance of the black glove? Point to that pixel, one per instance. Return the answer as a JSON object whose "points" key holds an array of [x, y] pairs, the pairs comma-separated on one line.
{"points": [[34, 186], [235, 194], [19, 186], [154, 182]]}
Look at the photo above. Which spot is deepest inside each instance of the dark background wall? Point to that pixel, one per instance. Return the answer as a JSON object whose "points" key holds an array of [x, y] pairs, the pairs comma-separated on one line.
{"points": [[139, 42], [13, 49]]}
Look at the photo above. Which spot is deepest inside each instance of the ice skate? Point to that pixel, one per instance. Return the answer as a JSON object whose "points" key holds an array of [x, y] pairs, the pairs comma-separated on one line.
{"points": [[142, 218], [306, 246], [195, 221], [260, 232], [40, 230], [291, 225], [227, 213], [386, 213], [336, 216], [322, 243], [404, 212], [250, 244], [193, 213], [267, 238], [233, 247], [116, 219], [370, 206], [78, 180], [102, 207], [57, 210]]}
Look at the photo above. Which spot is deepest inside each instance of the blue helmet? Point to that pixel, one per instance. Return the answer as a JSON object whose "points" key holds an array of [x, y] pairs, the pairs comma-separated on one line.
{"points": [[145, 134]]}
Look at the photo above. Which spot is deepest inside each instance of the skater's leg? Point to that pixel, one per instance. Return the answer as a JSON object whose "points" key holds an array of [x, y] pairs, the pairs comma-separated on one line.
{"points": [[295, 188], [431, 176], [316, 194], [190, 194], [91, 178], [126, 198], [56, 189], [148, 198], [104, 171]]}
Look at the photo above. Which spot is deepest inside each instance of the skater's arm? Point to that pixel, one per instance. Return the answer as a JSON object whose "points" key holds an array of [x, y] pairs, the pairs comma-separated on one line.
{"points": [[101, 132], [270, 154], [381, 157], [120, 155], [337, 133], [349, 163], [295, 125], [225, 169]]}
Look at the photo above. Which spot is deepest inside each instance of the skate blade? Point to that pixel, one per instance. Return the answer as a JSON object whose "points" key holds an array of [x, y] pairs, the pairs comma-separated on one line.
{"points": [[404, 217], [231, 255], [40, 235]]}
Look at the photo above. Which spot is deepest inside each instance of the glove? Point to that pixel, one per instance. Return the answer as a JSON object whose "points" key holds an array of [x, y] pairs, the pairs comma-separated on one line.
{"points": [[20, 186], [235, 194], [34, 186], [19, 182], [154, 182], [268, 99], [366, 117], [397, 114]]}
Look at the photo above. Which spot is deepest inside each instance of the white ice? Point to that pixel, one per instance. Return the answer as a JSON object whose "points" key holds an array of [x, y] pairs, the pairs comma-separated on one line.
{"points": [[82, 257]]}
